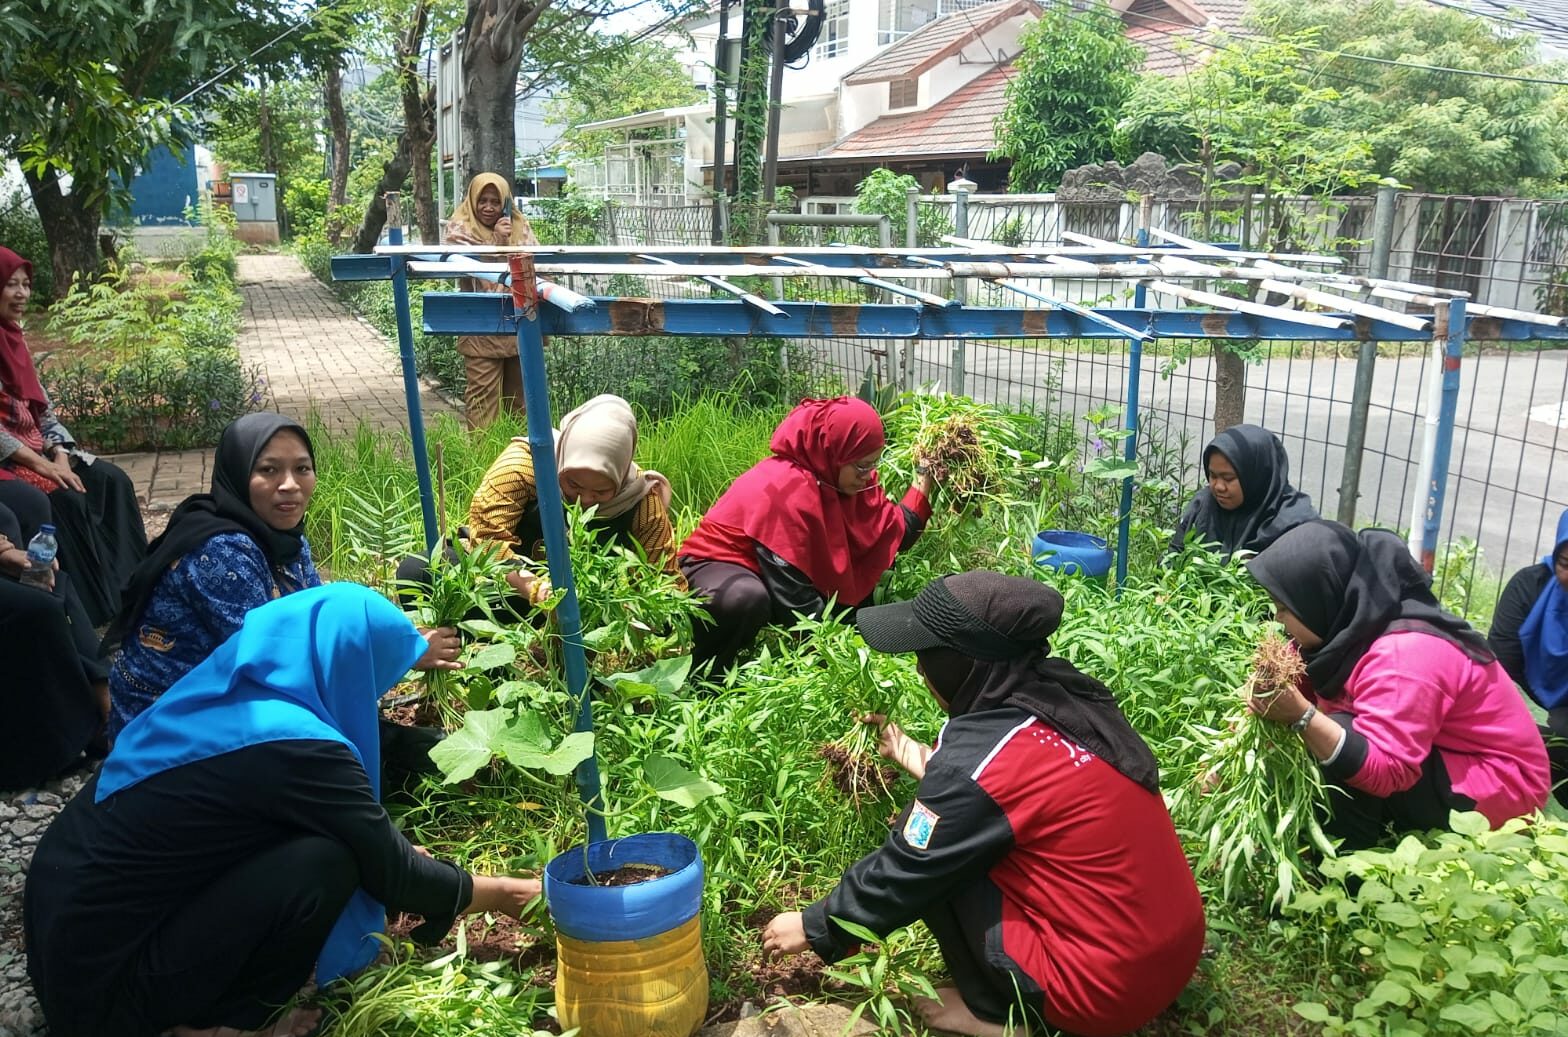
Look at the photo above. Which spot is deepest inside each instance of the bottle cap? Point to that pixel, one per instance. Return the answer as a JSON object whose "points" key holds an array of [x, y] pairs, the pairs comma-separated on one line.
{"points": [[45, 527]]}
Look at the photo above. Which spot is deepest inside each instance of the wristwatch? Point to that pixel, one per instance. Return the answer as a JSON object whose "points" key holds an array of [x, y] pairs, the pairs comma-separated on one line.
{"points": [[1300, 724]]}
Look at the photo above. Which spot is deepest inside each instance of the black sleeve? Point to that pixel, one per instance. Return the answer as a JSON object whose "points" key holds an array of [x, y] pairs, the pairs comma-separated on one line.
{"points": [[1184, 526], [894, 886], [1513, 607], [319, 786], [914, 525], [789, 588]]}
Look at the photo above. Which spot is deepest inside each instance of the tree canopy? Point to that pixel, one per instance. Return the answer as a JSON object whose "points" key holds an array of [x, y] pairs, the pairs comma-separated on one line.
{"points": [[1439, 131], [1074, 72], [647, 77]]}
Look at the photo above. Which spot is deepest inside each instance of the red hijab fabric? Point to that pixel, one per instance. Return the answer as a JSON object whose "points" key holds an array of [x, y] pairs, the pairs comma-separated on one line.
{"points": [[790, 503], [18, 376]]}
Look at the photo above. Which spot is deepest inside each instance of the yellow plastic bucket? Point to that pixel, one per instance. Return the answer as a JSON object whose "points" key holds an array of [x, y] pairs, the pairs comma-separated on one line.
{"points": [[629, 958], [657, 987]]}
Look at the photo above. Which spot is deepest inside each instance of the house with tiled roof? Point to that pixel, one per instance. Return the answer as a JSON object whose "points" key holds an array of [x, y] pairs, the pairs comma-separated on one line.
{"points": [[912, 85]]}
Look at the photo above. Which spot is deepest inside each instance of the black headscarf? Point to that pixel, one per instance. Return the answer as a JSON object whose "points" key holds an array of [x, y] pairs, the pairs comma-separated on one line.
{"points": [[226, 509], [1351, 588], [994, 652], [1270, 505]]}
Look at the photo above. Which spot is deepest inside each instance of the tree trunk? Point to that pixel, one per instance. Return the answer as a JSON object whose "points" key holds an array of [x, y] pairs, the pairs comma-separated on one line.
{"points": [[421, 145], [493, 35], [70, 226], [393, 173], [419, 122], [337, 122], [1230, 387]]}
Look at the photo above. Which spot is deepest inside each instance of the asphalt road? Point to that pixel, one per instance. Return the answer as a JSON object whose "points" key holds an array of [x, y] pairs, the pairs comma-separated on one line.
{"points": [[1506, 486]]}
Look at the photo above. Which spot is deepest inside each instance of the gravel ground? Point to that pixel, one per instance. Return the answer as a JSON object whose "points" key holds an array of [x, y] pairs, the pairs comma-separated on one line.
{"points": [[23, 818]]}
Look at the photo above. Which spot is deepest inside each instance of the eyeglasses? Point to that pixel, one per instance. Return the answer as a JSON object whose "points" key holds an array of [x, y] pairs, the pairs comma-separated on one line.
{"points": [[867, 467]]}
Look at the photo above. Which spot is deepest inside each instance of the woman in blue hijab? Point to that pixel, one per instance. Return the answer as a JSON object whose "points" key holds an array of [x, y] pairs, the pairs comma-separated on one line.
{"points": [[1529, 635], [234, 839]]}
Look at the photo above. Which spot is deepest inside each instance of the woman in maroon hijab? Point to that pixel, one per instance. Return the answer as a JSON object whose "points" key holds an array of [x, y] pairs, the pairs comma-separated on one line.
{"points": [[809, 524], [96, 517]]}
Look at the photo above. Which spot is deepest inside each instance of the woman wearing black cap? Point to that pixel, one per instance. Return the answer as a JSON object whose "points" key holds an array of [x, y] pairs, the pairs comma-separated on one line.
{"points": [[1038, 849]]}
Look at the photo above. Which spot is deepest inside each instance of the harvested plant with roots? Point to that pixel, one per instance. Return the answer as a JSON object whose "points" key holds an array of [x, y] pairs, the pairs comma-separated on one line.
{"points": [[1259, 795]]}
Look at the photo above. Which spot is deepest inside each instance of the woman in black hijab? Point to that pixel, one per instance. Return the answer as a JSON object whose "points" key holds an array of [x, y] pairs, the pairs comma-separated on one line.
{"points": [[224, 553], [53, 688], [1409, 710], [1038, 850], [1249, 501]]}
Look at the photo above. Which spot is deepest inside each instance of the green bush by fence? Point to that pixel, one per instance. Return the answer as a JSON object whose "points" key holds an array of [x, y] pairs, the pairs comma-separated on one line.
{"points": [[157, 368]]}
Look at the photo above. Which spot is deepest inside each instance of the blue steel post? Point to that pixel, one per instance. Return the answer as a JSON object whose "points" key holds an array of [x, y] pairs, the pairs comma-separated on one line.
{"points": [[405, 350], [552, 517], [1447, 414], [1140, 298]]}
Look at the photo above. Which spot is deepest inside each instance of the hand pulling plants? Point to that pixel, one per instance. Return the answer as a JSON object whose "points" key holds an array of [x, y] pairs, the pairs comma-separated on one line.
{"points": [[971, 448], [853, 768]]}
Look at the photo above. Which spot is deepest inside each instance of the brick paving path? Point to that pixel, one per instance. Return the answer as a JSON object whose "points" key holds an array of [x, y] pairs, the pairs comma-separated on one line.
{"points": [[317, 358]]}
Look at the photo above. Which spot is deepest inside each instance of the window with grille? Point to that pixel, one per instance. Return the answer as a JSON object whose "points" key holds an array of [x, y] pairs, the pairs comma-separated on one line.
{"points": [[898, 18], [834, 39], [903, 93]]}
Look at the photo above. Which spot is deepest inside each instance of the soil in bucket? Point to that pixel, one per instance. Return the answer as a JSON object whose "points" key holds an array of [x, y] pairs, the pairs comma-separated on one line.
{"points": [[625, 875]]}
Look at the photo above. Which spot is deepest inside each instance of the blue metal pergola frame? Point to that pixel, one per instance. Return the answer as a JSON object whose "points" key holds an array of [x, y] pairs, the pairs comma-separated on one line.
{"points": [[536, 307]]}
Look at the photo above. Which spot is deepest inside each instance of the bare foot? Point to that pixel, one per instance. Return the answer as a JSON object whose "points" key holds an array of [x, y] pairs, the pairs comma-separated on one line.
{"points": [[298, 1022], [947, 1012]]}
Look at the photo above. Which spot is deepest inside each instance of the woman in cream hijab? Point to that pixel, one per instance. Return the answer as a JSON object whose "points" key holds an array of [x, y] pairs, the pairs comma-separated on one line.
{"points": [[594, 460], [486, 217]]}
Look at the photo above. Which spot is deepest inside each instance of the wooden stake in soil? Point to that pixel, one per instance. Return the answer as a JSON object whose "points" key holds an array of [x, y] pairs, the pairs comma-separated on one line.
{"points": [[441, 490]]}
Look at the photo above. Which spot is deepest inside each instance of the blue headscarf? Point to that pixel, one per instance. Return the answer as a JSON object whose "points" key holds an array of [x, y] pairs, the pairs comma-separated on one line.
{"points": [[310, 665], [1544, 634]]}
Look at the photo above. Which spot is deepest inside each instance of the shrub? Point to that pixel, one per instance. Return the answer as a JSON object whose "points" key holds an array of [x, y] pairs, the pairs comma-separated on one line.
{"points": [[22, 233], [305, 201], [163, 398], [1460, 932], [157, 368]]}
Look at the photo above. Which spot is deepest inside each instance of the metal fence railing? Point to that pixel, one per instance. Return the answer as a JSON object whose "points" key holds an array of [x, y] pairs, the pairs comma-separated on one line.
{"points": [[1504, 488]]}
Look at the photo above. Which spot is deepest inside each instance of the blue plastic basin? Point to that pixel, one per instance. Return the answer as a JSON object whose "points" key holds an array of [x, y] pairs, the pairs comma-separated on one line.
{"points": [[1069, 551]]}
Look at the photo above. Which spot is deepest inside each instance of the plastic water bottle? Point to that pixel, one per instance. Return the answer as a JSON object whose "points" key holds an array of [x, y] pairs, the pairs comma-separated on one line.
{"points": [[40, 559]]}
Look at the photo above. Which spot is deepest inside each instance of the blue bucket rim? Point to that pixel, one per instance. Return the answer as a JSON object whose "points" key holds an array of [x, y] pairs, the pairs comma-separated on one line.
{"points": [[1083, 539]]}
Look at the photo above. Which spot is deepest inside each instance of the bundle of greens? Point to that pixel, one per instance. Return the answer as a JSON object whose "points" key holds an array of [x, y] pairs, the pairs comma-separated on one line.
{"points": [[972, 449], [1260, 797]]}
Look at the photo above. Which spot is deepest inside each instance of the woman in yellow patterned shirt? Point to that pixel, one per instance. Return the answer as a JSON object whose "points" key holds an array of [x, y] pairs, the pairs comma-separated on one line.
{"points": [[593, 456]]}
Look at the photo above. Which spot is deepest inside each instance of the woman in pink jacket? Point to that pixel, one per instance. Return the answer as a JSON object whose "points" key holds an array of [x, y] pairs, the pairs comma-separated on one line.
{"points": [[1405, 706]]}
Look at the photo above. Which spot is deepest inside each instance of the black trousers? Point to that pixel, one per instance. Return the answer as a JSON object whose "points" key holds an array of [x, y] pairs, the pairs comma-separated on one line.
{"points": [[968, 929], [738, 606], [101, 535], [46, 694], [1363, 820], [1555, 734], [239, 949]]}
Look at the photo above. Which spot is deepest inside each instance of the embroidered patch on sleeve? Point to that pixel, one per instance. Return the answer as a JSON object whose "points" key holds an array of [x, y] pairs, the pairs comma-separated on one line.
{"points": [[920, 825]]}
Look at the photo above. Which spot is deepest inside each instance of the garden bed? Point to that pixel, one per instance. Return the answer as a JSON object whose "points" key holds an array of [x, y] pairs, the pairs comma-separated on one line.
{"points": [[740, 770]]}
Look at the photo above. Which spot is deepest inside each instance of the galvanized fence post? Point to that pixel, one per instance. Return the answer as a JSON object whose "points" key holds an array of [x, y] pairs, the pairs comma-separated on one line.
{"points": [[1366, 361], [956, 373]]}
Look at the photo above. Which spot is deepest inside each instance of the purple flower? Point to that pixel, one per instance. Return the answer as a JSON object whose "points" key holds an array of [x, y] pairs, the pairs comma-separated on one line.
{"points": [[255, 397], [1097, 444], [215, 404]]}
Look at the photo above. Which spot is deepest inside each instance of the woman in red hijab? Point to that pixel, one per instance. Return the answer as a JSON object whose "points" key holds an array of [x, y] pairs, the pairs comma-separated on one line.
{"points": [[96, 517], [809, 524]]}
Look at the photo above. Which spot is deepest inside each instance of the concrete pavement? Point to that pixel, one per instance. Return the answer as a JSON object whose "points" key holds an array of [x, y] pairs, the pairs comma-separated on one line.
{"points": [[316, 356]]}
